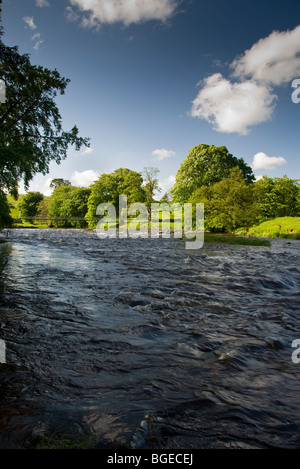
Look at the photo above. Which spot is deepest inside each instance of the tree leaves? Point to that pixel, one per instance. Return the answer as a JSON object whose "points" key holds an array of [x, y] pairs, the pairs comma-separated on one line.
{"points": [[206, 165], [31, 133]]}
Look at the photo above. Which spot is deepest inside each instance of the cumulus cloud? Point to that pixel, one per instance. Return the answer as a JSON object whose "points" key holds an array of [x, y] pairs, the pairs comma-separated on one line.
{"points": [[162, 153], [29, 20], [84, 178], [42, 3], [263, 161], [39, 184], [233, 107], [272, 60], [97, 12], [247, 98]]}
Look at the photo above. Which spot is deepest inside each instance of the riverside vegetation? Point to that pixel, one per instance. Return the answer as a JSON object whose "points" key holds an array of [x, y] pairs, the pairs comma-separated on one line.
{"points": [[235, 204]]}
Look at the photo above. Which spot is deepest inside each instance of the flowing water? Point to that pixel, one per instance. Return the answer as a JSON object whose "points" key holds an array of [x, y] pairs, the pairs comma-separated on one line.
{"points": [[141, 343]]}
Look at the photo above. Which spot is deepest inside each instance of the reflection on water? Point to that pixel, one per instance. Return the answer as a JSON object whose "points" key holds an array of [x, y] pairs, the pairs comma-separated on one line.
{"points": [[141, 343]]}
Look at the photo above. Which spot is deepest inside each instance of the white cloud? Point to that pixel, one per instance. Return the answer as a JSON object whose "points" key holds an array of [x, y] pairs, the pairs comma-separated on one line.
{"points": [[38, 43], [98, 12], [84, 178], [233, 107], [42, 3], [87, 151], [29, 20], [36, 36], [162, 153], [167, 184], [272, 60], [263, 161], [38, 184], [71, 15]]}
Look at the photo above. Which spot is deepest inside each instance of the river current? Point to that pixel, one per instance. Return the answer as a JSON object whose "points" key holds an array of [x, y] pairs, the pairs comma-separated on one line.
{"points": [[141, 343]]}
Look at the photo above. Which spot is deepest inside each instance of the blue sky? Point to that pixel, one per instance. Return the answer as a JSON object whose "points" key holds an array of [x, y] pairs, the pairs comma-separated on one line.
{"points": [[152, 79]]}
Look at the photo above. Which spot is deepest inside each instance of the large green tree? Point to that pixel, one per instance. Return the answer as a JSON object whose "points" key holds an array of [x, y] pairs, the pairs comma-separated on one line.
{"points": [[204, 166], [110, 186], [31, 132], [228, 204], [69, 203], [277, 197], [28, 204]]}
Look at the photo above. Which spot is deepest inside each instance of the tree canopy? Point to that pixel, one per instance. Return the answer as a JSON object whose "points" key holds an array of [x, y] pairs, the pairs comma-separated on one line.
{"points": [[203, 166], [5, 217], [228, 203], [59, 182], [69, 202], [110, 186], [277, 197], [28, 204], [31, 132]]}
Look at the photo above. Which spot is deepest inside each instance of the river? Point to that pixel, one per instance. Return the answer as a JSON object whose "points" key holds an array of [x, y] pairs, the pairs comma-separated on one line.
{"points": [[140, 343]]}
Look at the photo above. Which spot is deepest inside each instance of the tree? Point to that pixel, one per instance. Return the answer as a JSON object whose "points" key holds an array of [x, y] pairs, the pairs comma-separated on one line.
{"points": [[228, 204], [110, 186], [166, 198], [151, 185], [277, 197], [69, 202], [43, 210], [31, 133], [59, 182], [5, 217], [205, 165], [28, 204]]}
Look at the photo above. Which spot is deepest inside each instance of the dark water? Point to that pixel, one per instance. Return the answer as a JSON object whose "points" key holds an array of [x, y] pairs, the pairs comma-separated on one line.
{"points": [[143, 344]]}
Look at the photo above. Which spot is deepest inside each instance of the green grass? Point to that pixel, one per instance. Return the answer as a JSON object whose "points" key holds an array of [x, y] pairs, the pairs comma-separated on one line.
{"points": [[25, 224], [284, 227], [234, 240]]}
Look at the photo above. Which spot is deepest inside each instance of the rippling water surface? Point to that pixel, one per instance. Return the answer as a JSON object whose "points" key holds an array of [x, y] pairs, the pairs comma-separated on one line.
{"points": [[144, 344]]}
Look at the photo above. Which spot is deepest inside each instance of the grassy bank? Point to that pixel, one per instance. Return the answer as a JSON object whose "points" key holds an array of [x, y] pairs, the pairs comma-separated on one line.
{"points": [[208, 238], [284, 227], [234, 240]]}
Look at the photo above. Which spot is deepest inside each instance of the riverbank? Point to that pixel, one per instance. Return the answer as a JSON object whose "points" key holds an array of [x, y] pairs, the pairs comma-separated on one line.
{"points": [[283, 227]]}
